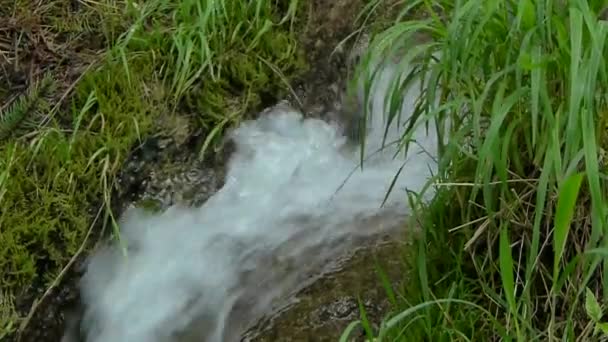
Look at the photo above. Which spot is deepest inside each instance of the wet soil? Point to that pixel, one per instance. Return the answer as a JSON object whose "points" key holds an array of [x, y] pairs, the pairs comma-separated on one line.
{"points": [[321, 92]]}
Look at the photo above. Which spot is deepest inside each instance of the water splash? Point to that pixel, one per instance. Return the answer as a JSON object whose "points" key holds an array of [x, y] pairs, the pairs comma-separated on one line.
{"points": [[205, 274]]}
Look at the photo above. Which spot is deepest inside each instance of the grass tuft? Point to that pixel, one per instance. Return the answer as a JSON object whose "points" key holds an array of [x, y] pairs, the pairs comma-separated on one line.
{"points": [[217, 57], [519, 222]]}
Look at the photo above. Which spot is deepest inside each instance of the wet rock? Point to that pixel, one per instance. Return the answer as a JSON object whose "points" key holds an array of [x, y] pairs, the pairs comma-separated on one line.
{"points": [[323, 310]]}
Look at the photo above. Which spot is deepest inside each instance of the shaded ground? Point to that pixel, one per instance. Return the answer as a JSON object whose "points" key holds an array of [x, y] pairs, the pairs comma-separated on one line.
{"points": [[328, 24]]}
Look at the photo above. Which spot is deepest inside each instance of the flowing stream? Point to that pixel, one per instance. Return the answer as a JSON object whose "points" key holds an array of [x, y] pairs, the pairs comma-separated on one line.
{"points": [[293, 201]]}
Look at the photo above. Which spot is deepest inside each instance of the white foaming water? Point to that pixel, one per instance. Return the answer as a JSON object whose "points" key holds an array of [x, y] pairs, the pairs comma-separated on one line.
{"points": [[205, 274]]}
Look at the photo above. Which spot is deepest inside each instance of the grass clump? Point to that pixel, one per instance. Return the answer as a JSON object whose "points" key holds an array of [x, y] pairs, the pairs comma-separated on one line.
{"points": [[113, 71], [513, 247], [218, 56]]}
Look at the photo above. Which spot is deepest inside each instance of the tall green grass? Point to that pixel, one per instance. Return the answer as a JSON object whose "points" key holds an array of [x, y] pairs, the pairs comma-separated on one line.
{"points": [[514, 245]]}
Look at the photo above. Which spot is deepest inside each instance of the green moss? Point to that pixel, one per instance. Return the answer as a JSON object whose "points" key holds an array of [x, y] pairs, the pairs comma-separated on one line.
{"points": [[151, 205], [55, 179]]}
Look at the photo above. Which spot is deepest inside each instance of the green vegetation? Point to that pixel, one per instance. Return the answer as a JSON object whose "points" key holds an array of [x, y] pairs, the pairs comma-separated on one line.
{"points": [[514, 245], [83, 82]]}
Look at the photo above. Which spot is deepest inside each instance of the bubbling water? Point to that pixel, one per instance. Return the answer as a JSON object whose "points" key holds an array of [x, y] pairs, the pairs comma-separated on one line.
{"points": [[288, 207]]}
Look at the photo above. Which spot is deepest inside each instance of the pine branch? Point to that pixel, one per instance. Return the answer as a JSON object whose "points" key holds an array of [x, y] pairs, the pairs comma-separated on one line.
{"points": [[25, 107]]}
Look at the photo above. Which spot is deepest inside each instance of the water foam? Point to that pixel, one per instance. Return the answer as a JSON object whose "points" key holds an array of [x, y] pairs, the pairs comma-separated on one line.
{"points": [[203, 274]]}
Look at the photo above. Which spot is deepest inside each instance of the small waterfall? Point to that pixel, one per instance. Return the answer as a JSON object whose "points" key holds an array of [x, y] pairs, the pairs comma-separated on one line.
{"points": [[287, 209]]}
